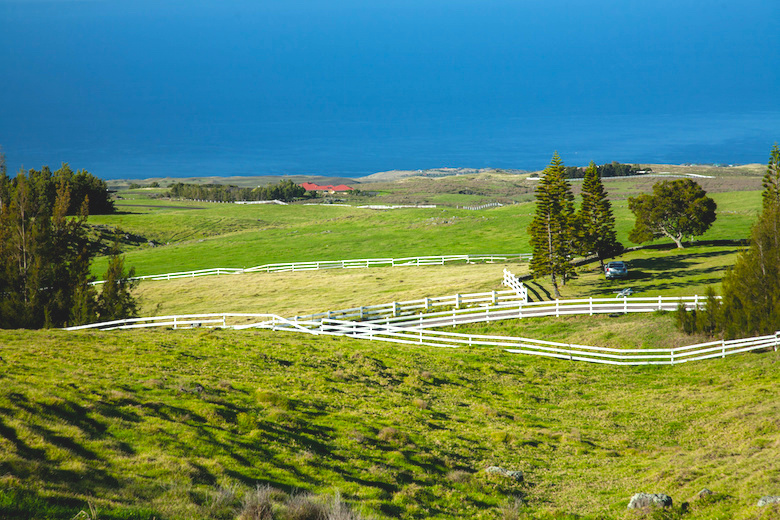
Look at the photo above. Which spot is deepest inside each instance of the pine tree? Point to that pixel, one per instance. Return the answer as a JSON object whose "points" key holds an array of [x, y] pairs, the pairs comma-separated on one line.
{"points": [[751, 290], [596, 221], [552, 230], [771, 181], [116, 301]]}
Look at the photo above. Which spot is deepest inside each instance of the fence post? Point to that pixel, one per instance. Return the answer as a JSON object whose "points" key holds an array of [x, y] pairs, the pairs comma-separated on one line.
{"points": [[457, 301], [174, 323], [671, 353], [395, 309], [723, 347], [777, 339], [590, 301], [625, 304], [495, 298], [660, 303], [696, 302], [557, 309], [224, 321], [361, 312], [427, 304]]}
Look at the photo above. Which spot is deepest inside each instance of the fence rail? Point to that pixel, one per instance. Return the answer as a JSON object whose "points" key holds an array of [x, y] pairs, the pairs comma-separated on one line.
{"points": [[534, 347], [436, 338], [405, 309], [557, 308], [337, 264]]}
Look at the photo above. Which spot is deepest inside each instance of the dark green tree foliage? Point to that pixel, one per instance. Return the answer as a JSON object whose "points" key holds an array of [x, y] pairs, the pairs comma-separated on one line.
{"points": [[771, 181], [751, 289], [552, 230], [676, 209], [44, 256], [613, 169], [285, 190], [596, 223], [116, 301]]}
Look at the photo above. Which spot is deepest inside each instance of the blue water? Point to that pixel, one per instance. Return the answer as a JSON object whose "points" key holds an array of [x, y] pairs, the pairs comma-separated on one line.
{"points": [[351, 87]]}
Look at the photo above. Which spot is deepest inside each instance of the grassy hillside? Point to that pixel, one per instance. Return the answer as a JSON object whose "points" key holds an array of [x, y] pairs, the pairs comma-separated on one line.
{"points": [[667, 272], [203, 235], [180, 424]]}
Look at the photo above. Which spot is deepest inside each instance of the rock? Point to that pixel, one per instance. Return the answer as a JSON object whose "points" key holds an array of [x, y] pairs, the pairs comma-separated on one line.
{"points": [[514, 475], [765, 501], [646, 500], [704, 493]]}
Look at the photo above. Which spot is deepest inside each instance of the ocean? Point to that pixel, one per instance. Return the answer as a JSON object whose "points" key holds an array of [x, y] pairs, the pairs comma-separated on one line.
{"points": [[349, 88]]}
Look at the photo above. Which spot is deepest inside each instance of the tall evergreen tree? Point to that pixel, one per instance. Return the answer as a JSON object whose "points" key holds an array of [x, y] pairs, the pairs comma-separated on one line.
{"points": [[596, 221], [552, 229], [45, 257], [771, 181]]}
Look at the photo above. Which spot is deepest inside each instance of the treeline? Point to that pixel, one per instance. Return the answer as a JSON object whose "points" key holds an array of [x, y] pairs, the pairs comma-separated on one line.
{"points": [[613, 169], [751, 289], [42, 186], [285, 190], [45, 255]]}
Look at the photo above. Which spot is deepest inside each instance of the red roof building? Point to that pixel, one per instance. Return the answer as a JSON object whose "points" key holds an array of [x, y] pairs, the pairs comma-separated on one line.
{"points": [[310, 186]]}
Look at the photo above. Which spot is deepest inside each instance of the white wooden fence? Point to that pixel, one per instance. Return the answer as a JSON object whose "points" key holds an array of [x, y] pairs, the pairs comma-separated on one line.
{"points": [[516, 285], [518, 310], [420, 335], [534, 347], [338, 264], [408, 308]]}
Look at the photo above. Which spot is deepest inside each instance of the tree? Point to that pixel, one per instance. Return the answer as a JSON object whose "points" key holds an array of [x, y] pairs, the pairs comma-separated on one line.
{"points": [[116, 301], [45, 256], [596, 224], [552, 229], [771, 181], [676, 210], [751, 289]]}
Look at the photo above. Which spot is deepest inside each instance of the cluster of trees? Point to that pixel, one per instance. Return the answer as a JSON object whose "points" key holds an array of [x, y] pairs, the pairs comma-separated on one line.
{"points": [[43, 185], [45, 256], [613, 169], [751, 289], [676, 209], [284, 190], [558, 232]]}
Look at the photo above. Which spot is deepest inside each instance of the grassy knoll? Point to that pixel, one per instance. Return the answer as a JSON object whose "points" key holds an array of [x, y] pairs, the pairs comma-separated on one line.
{"points": [[204, 235], [298, 293], [668, 272], [179, 424]]}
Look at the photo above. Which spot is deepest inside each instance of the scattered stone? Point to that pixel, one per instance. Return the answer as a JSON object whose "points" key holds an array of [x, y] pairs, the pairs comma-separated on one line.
{"points": [[517, 476], [704, 493], [767, 500], [647, 500]]}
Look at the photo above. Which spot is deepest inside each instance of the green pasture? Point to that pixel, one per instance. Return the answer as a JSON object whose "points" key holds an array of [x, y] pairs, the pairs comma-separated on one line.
{"points": [[180, 424], [204, 235]]}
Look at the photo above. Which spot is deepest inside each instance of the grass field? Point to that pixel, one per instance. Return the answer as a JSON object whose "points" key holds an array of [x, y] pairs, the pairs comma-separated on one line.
{"points": [[174, 425], [166, 425], [205, 235]]}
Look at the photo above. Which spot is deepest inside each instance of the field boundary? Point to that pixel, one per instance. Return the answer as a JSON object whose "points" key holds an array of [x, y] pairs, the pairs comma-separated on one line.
{"points": [[362, 263], [422, 330]]}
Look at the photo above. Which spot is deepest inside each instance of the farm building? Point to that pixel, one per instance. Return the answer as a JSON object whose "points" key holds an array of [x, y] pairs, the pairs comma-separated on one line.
{"points": [[341, 188]]}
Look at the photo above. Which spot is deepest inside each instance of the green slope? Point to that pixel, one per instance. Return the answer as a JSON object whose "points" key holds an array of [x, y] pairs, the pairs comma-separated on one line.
{"points": [[160, 423]]}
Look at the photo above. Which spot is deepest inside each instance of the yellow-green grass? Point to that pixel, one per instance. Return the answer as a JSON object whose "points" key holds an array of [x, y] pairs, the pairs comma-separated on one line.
{"points": [[227, 235], [305, 292], [159, 423], [669, 272]]}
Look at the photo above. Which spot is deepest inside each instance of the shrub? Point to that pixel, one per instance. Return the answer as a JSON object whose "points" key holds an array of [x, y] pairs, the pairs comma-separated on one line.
{"points": [[257, 504]]}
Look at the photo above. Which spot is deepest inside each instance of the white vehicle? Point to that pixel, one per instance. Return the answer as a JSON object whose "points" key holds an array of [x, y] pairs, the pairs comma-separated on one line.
{"points": [[616, 270]]}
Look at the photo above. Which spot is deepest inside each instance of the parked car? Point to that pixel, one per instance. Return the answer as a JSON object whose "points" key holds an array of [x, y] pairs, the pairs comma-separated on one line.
{"points": [[616, 270]]}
